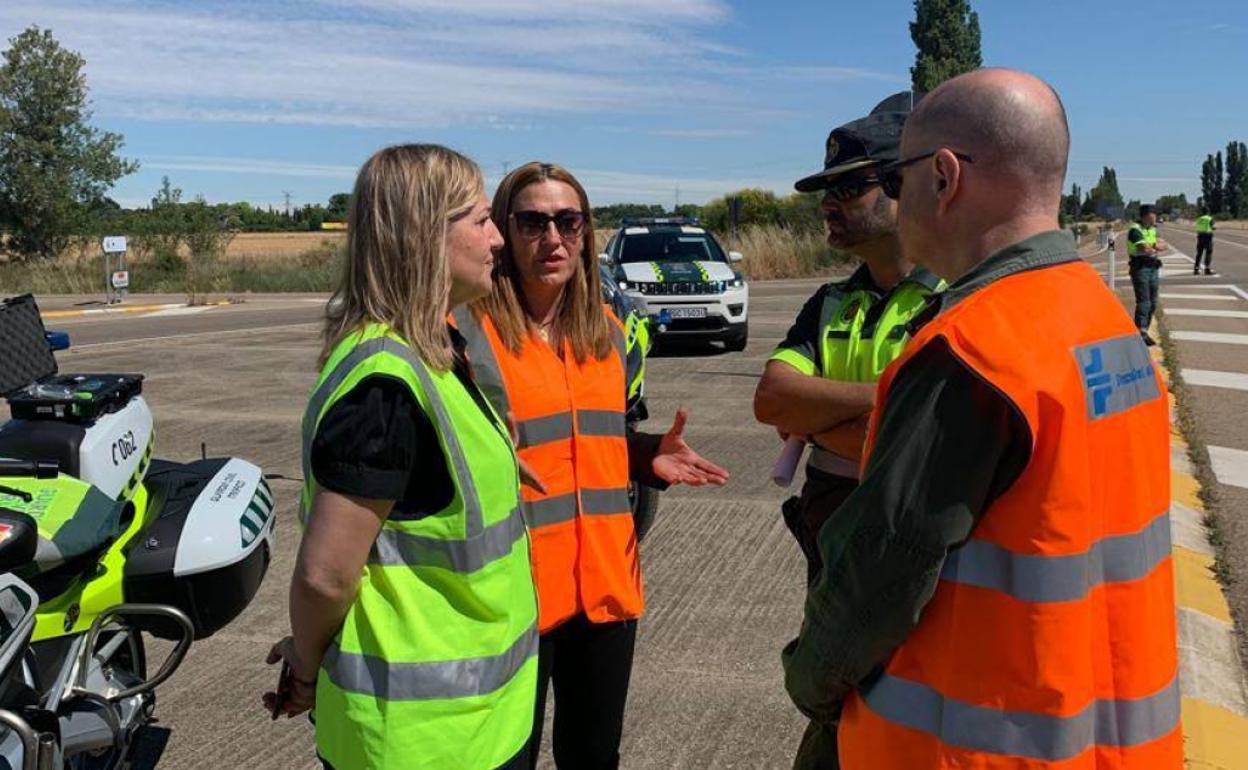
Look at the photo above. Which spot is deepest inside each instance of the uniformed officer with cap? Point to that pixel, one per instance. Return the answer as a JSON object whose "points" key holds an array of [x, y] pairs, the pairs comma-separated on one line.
{"points": [[820, 381]]}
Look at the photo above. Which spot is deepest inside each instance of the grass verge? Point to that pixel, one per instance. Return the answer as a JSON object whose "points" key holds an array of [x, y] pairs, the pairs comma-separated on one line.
{"points": [[1198, 453]]}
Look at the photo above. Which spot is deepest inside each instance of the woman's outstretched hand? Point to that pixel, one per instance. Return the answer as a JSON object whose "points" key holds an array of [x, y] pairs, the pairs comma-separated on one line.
{"points": [[677, 463]]}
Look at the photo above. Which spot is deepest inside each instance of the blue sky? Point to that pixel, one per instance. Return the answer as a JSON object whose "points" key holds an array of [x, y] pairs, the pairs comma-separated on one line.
{"points": [[251, 99]]}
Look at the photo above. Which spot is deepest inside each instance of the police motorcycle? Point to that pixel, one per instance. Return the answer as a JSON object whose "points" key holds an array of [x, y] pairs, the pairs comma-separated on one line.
{"points": [[100, 544], [638, 341]]}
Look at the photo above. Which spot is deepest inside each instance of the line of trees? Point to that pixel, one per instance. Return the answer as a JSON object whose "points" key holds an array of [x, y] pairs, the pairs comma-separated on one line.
{"points": [[1224, 185]]}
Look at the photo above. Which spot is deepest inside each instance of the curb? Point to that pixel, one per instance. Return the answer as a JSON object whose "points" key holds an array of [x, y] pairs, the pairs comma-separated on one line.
{"points": [[1211, 677], [124, 310]]}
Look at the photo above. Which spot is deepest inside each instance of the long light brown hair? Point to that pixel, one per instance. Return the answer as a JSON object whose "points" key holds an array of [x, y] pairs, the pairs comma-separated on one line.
{"points": [[396, 272], [580, 318]]}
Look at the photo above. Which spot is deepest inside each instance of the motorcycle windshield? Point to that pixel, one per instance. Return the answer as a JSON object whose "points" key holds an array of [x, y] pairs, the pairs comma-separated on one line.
{"points": [[73, 517]]}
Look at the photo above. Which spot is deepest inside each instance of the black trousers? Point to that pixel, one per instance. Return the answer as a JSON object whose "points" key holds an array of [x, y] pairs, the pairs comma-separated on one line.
{"points": [[1144, 280], [589, 664], [1204, 246]]}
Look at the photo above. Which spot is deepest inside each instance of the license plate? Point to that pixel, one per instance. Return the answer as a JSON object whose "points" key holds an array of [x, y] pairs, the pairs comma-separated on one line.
{"points": [[687, 312]]}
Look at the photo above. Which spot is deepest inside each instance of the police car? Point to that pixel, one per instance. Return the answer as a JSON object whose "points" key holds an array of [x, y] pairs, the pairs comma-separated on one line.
{"points": [[676, 272]]}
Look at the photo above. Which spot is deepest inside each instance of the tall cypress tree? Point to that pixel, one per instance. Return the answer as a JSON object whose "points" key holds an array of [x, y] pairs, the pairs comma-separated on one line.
{"points": [[1207, 183], [946, 33], [1234, 185], [1217, 201]]}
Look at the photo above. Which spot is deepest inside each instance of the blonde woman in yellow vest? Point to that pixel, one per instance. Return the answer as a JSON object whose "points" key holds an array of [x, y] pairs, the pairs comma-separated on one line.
{"points": [[412, 604]]}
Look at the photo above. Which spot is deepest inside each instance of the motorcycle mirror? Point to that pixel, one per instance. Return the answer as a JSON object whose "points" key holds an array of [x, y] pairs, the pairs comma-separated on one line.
{"points": [[19, 539]]}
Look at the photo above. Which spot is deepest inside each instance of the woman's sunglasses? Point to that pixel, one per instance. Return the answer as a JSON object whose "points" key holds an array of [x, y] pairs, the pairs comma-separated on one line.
{"points": [[533, 224], [890, 175]]}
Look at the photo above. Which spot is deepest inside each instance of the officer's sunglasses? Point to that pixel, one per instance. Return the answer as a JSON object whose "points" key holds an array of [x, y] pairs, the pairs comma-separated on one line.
{"points": [[533, 224], [854, 188], [891, 177]]}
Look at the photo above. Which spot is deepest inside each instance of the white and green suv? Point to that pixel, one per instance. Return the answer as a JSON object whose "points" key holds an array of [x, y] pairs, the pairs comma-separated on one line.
{"points": [[676, 272]]}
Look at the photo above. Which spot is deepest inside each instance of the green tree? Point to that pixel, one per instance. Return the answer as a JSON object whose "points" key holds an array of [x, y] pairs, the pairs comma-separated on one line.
{"points": [[1104, 199], [1209, 183], [1232, 195], [1175, 205], [1217, 201], [946, 33], [54, 166], [336, 211], [1072, 204]]}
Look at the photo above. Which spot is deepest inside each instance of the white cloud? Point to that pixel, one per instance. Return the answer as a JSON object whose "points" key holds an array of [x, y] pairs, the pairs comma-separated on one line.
{"points": [[702, 133], [406, 63], [249, 166]]}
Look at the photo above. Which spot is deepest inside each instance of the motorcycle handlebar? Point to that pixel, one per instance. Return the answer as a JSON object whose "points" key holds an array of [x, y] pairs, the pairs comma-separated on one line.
{"points": [[40, 469]]}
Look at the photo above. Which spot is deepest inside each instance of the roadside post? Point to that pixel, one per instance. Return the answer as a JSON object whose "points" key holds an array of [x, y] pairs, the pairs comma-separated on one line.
{"points": [[116, 274]]}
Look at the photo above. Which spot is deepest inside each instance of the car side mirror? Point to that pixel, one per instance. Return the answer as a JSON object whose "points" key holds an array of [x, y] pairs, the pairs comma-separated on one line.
{"points": [[605, 258], [735, 256]]}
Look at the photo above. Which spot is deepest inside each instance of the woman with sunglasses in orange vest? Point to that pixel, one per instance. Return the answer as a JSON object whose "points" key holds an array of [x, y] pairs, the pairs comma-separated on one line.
{"points": [[549, 354]]}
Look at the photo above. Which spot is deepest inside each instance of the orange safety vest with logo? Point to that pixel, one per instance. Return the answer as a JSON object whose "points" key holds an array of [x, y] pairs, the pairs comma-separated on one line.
{"points": [[1050, 640], [570, 423]]}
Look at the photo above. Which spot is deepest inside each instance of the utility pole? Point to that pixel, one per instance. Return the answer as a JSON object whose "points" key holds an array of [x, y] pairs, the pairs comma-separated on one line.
{"points": [[286, 194], [677, 209], [506, 167]]}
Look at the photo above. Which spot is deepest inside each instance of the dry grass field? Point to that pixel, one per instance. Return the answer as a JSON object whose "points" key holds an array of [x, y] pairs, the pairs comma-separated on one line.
{"points": [[262, 245]]}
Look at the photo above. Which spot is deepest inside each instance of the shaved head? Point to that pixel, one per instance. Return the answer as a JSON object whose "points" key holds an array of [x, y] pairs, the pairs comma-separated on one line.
{"points": [[1013, 124]]}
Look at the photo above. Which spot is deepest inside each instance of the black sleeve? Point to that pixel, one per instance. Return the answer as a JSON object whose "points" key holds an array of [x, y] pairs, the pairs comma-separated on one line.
{"points": [[366, 444], [802, 339], [949, 444], [1134, 235], [642, 449]]}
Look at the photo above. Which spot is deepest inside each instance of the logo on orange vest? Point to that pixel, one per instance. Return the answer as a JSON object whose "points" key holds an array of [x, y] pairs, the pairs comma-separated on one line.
{"points": [[1117, 375]]}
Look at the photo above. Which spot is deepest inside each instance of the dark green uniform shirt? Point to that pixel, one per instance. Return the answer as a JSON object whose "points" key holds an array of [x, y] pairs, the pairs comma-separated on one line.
{"points": [[948, 445]]}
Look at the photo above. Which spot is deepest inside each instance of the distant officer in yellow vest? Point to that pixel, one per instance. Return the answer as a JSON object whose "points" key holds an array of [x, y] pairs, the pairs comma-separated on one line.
{"points": [[820, 381], [1204, 242], [1143, 251]]}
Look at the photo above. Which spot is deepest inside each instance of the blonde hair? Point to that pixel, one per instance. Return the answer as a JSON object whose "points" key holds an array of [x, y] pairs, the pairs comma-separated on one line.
{"points": [[580, 318], [396, 273]]}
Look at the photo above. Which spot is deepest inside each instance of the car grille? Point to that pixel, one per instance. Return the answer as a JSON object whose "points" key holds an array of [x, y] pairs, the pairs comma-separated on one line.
{"points": [[669, 288]]}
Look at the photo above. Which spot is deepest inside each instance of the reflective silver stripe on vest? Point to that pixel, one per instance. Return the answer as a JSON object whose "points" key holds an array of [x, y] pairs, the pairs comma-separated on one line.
{"points": [[1032, 578], [485, 370], [396, 548], [604, 501], [543, 430], [550, 510], [600, 422], [1044, 737], [464, 678]]}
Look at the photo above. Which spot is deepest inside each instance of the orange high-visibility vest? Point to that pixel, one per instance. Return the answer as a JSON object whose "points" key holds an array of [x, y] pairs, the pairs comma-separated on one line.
{"points": [[570, 421], [1050, 640]]}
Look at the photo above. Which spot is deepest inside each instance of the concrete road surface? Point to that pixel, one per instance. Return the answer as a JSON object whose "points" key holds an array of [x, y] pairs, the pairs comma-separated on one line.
{"points": [[724, 580]]}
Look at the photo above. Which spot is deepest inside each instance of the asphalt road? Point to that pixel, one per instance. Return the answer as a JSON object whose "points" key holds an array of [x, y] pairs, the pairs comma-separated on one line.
{"points": [[724, 581]]}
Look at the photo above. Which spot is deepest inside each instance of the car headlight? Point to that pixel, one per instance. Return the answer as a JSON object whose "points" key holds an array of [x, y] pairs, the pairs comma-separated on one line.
{"points": [[736, 283]]}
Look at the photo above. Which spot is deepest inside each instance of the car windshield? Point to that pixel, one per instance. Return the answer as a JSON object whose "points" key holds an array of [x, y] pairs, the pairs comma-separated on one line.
{"points": [[670, 246]]}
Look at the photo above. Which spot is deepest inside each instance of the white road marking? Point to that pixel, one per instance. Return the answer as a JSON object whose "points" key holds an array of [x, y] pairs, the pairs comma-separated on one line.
{"points": [[1186, 311], [191, 310], [1212, 379], [1230, 465], [1221, 337], [1199, 296], [190, 335]]}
